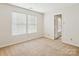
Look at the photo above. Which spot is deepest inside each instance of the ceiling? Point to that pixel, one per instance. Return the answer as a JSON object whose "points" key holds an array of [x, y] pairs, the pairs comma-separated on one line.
{"points": [[43, 7]]}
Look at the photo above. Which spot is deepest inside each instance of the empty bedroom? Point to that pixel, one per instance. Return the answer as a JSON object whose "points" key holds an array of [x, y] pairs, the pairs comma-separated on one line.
{"points": [[39, 29]]}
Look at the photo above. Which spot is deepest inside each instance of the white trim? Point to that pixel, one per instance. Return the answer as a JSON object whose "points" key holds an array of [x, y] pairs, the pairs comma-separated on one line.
{"points": [[70, 43], [49, 37]]}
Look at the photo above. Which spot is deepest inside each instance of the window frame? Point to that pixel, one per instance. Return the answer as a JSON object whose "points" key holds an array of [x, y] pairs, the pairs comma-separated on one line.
{"points": [[15, 34], [26, 15], [34, 24]]}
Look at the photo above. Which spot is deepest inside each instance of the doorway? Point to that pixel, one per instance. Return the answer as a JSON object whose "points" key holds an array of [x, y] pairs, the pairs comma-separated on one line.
{"points": [[57, 26]]}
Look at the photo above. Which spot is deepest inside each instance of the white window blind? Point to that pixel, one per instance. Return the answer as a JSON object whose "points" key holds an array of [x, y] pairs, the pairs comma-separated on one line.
{"points": [[32, 24], [18, 23], [23, 24]]}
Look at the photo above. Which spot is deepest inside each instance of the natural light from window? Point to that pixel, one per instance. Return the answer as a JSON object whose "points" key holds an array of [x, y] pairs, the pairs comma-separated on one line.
{"points": [[23, 24]]}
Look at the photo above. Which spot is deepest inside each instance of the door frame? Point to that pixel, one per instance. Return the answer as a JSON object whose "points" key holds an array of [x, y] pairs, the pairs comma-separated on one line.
{"points": [[57, 25]]}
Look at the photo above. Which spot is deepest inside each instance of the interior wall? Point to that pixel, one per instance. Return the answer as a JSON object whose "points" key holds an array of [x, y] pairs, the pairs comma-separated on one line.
{"points": [[49, 23], [6, 37], [70, 24]]}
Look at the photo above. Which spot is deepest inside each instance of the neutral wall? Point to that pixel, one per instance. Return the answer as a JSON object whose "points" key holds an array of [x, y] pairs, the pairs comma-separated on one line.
{"points": [[70, 24], [6, 37], [49, 23]]}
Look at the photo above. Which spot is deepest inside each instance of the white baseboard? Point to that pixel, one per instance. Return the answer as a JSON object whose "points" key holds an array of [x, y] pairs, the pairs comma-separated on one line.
{"points": [[49, 37], [70, 43], [20, 41]]}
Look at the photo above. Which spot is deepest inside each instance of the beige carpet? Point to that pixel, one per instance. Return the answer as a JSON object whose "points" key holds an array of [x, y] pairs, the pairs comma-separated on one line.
{"points": [[40, 47]]}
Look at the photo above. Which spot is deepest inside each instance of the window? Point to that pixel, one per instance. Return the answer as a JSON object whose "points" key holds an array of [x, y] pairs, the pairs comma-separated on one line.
{"points": [[22, 25], [18, 23], [32, 24]]}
